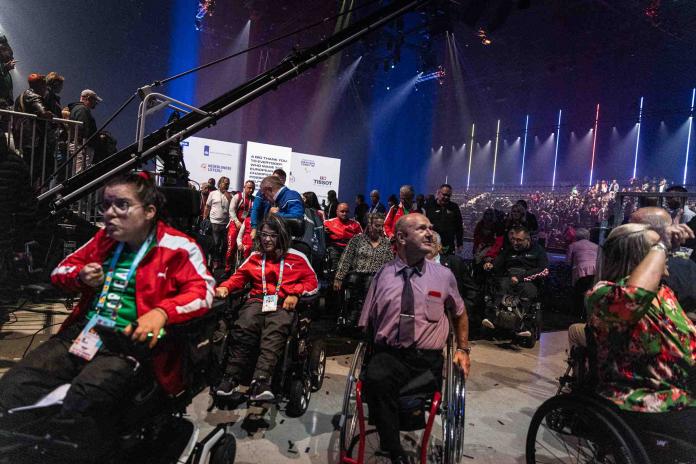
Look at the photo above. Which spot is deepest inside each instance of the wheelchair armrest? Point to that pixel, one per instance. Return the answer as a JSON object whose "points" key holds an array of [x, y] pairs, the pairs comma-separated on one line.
{"points": [[308, 299]]}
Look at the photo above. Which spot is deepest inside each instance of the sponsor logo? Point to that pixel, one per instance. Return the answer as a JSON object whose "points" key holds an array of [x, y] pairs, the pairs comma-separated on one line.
{"points": [[216, 167], [184, 143], [306, 162], [322, 181], [206, 150]]}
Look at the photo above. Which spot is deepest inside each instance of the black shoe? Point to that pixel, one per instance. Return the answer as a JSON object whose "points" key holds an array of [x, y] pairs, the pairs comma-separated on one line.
{"points": [[227, 387], [261, 390]]}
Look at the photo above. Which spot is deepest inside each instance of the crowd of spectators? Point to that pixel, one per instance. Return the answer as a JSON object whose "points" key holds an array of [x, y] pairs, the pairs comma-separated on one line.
{"points": [[45, 144], [557, 212]]}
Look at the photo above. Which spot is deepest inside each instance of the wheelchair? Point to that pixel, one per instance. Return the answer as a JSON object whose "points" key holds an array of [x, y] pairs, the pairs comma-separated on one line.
{"points": [[418, 396], [300, 370], [155, 428], [510, 313], [354, 290], [579, 426]]}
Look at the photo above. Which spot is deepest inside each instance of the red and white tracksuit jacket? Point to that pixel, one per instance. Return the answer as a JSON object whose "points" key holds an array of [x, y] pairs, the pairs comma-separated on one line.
{"points": [[172, 276], [240, 208], [339, 233], [298, 276], [394, 214]]}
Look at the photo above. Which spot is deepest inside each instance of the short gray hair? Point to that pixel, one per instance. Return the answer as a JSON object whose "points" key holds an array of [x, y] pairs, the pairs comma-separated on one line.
{"points": [[625, 247], [582, 233]]}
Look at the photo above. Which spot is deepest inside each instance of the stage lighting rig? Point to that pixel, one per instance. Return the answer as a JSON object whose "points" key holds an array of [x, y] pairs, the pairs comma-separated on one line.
{"points": [[439, 74], [205, 8]]}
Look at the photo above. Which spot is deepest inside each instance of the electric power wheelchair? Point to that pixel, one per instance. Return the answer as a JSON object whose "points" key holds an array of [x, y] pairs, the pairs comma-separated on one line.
{"points": [[511, 313], [579, 426], [300, 370], [446, 400], [154, 429]]}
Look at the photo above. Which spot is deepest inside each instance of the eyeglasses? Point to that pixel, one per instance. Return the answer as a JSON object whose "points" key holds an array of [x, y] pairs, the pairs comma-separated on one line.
{"points": [[121, 206], [265, 235]]}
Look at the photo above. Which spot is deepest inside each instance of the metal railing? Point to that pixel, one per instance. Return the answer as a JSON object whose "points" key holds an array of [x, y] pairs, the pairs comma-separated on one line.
{"points": [[49, 147]]}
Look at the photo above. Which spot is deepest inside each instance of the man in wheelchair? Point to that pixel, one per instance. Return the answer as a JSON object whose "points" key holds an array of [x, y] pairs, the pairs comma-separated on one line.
{"points": [[405, 311], [516, 272], [138, 277], [278, 276]]}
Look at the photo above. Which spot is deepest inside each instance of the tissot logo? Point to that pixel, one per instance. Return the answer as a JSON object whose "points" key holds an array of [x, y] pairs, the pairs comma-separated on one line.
{"points": [[322, 181], [306, 162]]}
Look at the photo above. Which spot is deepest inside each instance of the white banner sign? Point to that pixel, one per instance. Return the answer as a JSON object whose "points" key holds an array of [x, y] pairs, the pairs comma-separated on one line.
{"points": [[262, 159], [206, 158], [311, 173]]}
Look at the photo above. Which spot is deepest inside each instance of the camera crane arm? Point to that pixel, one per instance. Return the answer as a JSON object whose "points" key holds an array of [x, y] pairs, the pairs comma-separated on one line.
{"points": [[128, 158]]}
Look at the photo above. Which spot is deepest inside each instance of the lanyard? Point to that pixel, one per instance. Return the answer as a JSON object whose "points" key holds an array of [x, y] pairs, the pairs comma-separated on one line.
{"points": [[112, 268], [263, 274]]}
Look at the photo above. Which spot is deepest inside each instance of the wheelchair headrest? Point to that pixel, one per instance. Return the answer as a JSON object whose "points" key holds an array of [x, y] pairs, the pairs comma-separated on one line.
{"points": [[295, 226]]}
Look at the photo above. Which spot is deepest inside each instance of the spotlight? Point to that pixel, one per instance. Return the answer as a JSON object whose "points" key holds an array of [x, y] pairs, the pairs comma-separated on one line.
{"points": [[388, 88]]}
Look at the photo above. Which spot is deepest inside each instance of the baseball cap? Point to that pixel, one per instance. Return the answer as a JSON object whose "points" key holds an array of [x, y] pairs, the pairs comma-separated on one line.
{"points": [[87, 93]]}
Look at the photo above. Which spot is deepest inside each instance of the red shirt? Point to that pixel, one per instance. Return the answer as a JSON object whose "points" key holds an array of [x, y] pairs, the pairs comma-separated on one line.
{"points": [[339, 232], [298, 276]]}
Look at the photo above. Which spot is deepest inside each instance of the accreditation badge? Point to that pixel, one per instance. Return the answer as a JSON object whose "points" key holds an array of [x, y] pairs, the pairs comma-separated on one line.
{"points": [[88, 341], [270, 303]]}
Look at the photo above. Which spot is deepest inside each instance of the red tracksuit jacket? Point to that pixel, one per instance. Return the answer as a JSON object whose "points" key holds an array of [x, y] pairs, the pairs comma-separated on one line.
{"points": [[298, 276], [172, 276], [339, 233]]}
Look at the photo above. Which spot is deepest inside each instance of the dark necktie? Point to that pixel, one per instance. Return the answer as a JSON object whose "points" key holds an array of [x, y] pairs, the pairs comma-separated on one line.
{"points": [[407, 318]]}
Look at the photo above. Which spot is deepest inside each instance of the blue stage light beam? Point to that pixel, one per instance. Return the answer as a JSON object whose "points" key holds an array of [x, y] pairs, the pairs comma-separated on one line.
{"points": [[495, 154], [688, 138], [471, 154], [635, 157], [555, 157], [524, 149]]}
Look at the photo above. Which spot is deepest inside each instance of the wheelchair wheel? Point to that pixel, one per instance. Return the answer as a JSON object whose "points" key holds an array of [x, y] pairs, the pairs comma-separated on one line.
{"points": [[349, 421], [298, 399], [572, 429], [453, 408], [224, 451], [317, 364], [529, 342]]}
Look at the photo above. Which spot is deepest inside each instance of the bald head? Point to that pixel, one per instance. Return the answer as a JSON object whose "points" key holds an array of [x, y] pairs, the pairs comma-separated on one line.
{"points": [[658, 218], [342, 211], [413, 234]]}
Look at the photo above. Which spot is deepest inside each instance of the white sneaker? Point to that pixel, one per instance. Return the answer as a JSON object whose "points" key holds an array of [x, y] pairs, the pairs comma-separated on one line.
{"points": [[487, 324], [524, 334]]}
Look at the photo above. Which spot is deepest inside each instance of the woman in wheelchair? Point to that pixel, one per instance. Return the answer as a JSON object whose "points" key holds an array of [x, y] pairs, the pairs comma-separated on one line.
{"points": [[645, 343], [138, 276], [278, 276], [365, 254]]}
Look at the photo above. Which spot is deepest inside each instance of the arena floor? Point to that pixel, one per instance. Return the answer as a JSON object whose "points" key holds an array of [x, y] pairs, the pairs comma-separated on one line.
{"points": [[506, 386]]}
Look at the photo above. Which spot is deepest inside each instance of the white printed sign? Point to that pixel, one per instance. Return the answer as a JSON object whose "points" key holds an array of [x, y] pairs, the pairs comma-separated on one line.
{"points": [[262, 159], [206, 158], [312, 173]]}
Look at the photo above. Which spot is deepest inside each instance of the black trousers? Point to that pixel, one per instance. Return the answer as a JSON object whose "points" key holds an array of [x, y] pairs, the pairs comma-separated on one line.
{"points": [[255, 331], [388, 370], [522, 289], [94, 403], [219, 242], [582, 285]]}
